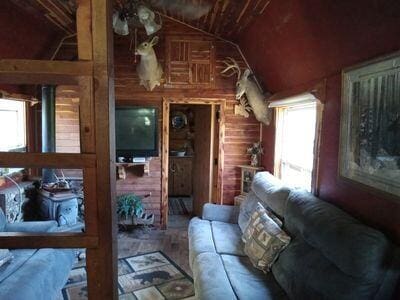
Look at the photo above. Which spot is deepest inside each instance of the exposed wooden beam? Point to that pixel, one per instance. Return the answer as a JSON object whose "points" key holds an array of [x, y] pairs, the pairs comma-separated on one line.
{"points": [[23, 71], [47, 160]]}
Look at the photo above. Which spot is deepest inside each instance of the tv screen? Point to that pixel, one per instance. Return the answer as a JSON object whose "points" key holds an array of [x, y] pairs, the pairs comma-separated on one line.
{"points": [[136, 131]]}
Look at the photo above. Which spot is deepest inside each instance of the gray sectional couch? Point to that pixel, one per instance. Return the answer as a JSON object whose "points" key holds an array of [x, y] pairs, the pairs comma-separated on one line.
{"points": [[331, 255], [34, 274]]}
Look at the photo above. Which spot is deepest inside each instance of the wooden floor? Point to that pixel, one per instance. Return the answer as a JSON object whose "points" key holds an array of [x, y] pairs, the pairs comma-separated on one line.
{"points": [[173, 241]]}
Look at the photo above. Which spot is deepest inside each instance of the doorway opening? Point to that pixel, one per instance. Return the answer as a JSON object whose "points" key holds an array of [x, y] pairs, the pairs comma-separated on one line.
{"points": [[192, 157]]}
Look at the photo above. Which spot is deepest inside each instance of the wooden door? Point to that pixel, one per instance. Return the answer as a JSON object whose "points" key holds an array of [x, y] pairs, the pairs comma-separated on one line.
{"points": [[203, 156], [183, 176]]}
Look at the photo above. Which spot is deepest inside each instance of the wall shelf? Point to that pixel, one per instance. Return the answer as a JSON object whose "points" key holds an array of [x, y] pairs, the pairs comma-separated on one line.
{"points": [[122, 168]]}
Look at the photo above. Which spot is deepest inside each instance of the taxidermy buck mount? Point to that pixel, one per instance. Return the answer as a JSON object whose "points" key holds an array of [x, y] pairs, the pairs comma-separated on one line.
{"points": [[149, 69], [247, 87]]}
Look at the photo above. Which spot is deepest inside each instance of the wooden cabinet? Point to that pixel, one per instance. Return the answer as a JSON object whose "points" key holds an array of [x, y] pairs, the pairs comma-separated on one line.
{"points": [[190, 63], [180, 176]]}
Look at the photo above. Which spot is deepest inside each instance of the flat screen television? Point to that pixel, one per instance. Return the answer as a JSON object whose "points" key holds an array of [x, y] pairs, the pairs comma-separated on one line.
{"points": [[136, 131]]}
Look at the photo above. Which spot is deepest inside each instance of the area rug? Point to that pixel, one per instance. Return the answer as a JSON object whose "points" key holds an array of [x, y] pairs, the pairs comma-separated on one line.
{"points": [[180, 205], [150, 276]]}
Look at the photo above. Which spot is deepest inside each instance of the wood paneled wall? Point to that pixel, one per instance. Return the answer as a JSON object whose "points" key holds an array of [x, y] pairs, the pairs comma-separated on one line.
{"points": [[240, 132]]}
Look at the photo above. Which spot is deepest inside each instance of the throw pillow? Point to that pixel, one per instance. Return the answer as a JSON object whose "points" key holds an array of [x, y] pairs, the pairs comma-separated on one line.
{"points": [[264, 239], [248, 206], [5, 256]]}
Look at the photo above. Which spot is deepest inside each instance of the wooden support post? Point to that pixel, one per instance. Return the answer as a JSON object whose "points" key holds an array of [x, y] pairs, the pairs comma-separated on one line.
{"points": [[101, 262]]}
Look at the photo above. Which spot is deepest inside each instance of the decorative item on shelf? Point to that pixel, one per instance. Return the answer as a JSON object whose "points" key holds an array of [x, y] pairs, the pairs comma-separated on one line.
{"points": [[131, 212], [149, 69], [248, 173], [255, 151], [179, 120], [246, 87], [137, 13]]}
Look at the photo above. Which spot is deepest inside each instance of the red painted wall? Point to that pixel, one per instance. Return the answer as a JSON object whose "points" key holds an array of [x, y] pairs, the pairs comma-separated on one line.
{"points": [[23, 35], [300, 41]]}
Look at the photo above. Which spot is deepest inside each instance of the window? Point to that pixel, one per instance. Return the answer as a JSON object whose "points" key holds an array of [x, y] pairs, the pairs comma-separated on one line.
{"points": [[12, 124], [12, 129], [296, 140]]}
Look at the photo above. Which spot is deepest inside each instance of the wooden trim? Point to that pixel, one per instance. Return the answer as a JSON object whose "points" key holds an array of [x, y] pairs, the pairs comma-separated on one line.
{"points": [[22, 71], [317, 146], [48, 160], [315, 88], [221, 152], [165, 163], [212, 141], [165, 147], [26, 240]]}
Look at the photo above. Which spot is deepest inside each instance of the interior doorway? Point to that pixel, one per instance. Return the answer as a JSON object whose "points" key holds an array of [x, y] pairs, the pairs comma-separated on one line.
{"points": [[192, 155]]}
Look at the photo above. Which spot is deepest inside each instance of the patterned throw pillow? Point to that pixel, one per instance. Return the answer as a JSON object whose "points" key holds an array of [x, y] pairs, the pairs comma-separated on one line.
{"points": [[5, 256], [264, 239]]}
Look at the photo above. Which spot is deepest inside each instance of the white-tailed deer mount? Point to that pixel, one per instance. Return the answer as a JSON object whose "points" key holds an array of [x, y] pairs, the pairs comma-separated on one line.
{"points": [[247, 87], [149, 69]]}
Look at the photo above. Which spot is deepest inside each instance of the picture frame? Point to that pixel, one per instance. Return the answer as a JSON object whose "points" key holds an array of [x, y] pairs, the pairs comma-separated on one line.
{"points": [[369, 152]]}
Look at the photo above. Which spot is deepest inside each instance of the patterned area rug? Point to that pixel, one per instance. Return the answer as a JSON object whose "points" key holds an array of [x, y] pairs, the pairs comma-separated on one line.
{"points": [[180, 205], [150, 276]]}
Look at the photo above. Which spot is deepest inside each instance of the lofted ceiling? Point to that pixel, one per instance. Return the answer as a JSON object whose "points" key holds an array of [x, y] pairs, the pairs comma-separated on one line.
{"points": [[226, 18], [57, 13]]}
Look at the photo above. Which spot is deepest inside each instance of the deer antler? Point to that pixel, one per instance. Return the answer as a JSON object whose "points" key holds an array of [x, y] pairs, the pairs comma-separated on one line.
{"points": [[231, 64]]}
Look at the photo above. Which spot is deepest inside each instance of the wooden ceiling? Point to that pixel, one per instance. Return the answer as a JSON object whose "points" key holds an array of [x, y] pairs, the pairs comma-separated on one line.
{"points": [[58, 13], [226, 18]]}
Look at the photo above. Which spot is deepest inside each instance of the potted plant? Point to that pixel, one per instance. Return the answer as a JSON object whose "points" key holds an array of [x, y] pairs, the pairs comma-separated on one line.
{"points": [[129, 207], [130, 211]]}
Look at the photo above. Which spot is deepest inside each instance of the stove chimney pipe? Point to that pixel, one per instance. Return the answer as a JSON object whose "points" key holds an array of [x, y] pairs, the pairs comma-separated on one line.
{"points": [[48, 127]]}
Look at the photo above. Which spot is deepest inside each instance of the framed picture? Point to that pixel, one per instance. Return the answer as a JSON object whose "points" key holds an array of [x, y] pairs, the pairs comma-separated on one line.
{"points": [[370, 125]]}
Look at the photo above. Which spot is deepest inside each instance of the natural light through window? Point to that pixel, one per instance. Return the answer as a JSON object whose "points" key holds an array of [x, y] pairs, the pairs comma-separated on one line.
{"points": [[294, 151], [12, 124]]}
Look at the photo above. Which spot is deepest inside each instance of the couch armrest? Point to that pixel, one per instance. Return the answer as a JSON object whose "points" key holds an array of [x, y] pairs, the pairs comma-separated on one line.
{"points": [[222, 213], [41, 226]]}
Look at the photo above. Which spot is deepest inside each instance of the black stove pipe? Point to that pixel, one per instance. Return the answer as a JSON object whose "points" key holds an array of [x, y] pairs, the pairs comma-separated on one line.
{"points": [[48, 127]]}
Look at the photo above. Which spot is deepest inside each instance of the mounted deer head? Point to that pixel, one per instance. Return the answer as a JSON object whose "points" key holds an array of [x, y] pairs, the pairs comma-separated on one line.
{"points": [[246, 86], [149, 69]]}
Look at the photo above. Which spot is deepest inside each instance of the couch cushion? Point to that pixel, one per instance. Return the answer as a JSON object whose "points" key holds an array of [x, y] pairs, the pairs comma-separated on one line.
{"points": [[41, 277], [353, 247], [3, 220], [5, 256], [271, 191], [227, 238], [210, 279], [304, 273], [264, 239], [248, 282], [200, 238], [20, 256]]}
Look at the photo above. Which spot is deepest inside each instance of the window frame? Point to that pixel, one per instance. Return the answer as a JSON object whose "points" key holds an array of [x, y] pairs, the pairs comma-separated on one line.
{"points": [[280, 106], [18, 148]]}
